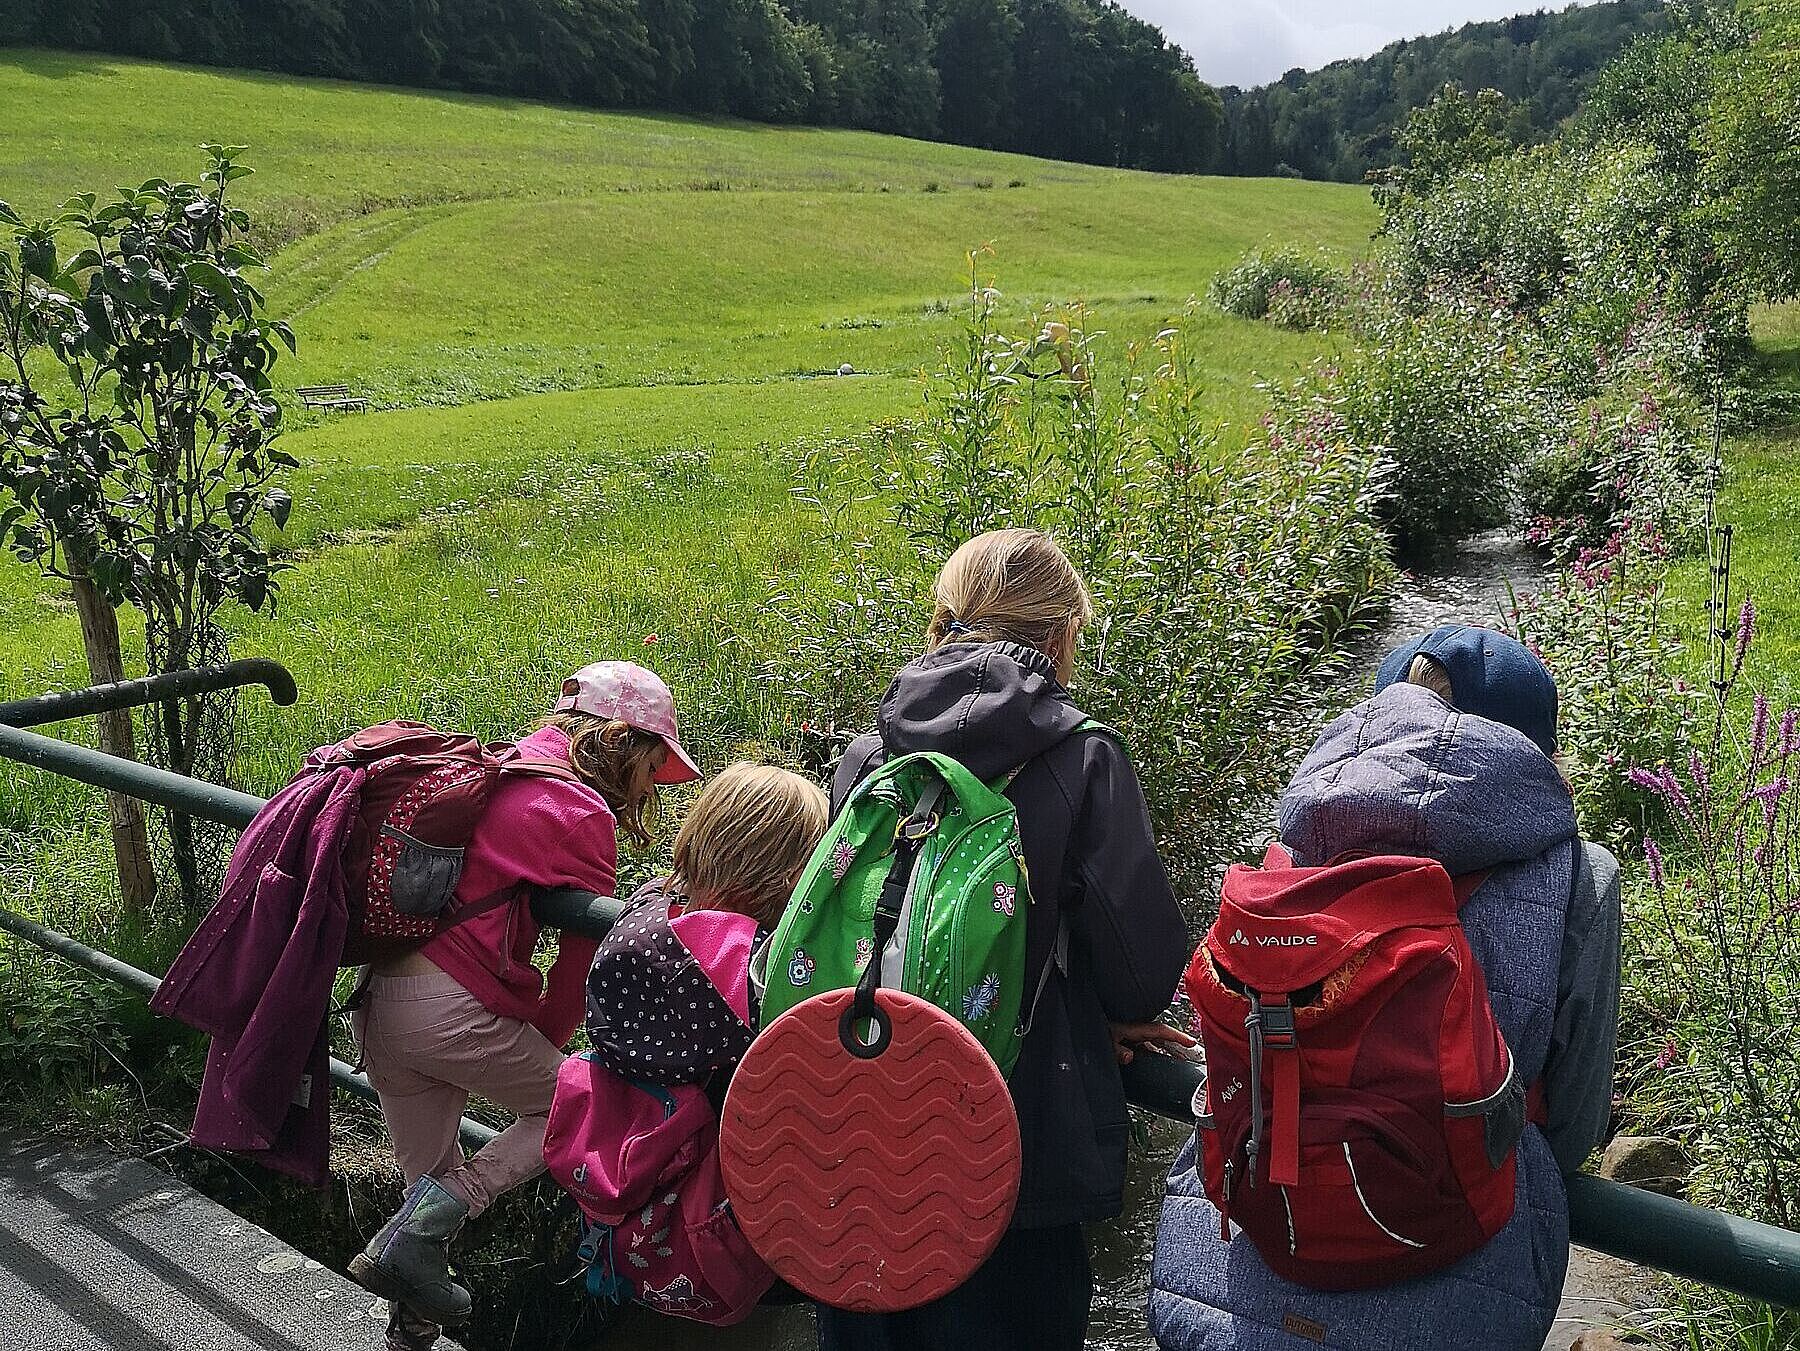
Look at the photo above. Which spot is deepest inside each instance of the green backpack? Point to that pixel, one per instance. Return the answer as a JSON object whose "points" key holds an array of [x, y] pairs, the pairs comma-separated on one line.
{"points": [[919, 884]]}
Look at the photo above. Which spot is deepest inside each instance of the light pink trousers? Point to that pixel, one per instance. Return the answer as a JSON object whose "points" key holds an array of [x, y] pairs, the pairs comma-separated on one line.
{"points": [[428, 1046]]}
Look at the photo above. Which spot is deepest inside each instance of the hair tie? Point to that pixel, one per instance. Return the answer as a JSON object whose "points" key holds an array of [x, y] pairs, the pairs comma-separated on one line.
{"points": [[956, 626]]}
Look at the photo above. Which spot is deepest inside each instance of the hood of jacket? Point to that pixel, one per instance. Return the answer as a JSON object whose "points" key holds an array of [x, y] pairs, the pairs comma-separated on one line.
{"points": [[1405, 773], [669, 990], [990, 706]]}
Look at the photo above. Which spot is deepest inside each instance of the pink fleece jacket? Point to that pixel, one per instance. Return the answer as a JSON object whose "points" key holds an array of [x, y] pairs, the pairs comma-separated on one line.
{"points": [[536, 832]]}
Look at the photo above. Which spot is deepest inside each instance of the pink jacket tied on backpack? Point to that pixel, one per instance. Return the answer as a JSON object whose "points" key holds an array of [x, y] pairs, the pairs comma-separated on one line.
{"points": [[669, 998]]}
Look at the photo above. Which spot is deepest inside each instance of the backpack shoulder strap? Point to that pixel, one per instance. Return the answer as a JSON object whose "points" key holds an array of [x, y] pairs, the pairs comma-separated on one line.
{"points": [[1085, 725], [514, 761]]}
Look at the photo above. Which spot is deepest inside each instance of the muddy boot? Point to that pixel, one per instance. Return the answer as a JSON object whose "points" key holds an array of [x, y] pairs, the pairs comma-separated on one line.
{"points": [[408, 1331], [408, 1262]]}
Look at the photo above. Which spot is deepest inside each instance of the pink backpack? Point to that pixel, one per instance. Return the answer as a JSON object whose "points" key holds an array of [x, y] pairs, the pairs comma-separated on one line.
{"points": [[642, 1162]]}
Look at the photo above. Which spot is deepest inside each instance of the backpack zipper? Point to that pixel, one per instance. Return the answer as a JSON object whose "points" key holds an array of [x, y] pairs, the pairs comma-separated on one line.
{"points": [[937, 867], [1364, 1200], [1287, 1205]]}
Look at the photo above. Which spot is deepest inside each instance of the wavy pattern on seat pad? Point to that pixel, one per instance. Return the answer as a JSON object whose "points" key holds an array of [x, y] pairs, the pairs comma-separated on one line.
{"points": [[874, 1185]]}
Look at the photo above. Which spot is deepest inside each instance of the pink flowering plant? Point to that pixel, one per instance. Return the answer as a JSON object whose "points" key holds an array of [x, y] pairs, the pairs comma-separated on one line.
{"points": [[1599, 626], [1713, 986]]}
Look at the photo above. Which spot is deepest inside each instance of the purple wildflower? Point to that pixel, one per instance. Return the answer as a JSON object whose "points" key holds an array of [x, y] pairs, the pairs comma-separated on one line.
{"points": [[1759, 728], [1770, 795], [1790, 724], [1653, 855], [1746, 630], [1671, 792], [1666, 1056]]}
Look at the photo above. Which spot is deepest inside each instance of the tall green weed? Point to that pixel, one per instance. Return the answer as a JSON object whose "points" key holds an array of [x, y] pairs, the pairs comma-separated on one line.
{"points": [[1221, 581]]}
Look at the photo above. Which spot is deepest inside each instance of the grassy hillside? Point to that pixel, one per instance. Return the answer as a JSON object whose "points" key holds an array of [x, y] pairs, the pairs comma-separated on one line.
{"points": [[593, 342]]}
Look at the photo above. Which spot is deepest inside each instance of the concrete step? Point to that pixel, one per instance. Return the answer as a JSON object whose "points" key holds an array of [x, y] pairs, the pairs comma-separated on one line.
{"points": [[99, 1251]]}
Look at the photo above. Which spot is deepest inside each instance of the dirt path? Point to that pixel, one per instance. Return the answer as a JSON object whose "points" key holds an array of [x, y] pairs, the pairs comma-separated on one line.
{"points": [[1601, 1292]]}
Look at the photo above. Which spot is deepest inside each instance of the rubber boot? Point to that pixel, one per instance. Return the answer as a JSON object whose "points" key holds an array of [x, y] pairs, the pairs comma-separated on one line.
{"points": [[407, 1331], [408, 1262]]}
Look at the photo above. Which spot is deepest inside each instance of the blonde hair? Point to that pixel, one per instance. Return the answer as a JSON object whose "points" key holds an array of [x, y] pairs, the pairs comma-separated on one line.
{"points": [[610, 757], [746, 840], [1430, 672], [1012, 586]]}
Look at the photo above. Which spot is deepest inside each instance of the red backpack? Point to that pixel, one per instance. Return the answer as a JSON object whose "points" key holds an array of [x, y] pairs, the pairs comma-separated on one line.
{"points": [[1361, 1106], [423, 796]]}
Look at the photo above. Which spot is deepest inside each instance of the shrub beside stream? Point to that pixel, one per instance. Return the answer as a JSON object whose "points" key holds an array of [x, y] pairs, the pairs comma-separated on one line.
{"points": [[1222, 580]]}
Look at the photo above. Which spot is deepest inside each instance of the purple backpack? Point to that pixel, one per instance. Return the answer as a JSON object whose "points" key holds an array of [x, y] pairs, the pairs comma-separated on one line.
{"points": [[642, 1162]]}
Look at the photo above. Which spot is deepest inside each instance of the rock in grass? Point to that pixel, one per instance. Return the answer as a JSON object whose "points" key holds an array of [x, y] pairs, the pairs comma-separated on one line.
{"points": [[1652, 1162], [1599, 1339]]}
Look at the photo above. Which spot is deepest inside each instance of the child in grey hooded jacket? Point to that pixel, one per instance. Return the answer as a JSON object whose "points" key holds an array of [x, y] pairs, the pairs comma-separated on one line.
{"points": [[1452, 759]]}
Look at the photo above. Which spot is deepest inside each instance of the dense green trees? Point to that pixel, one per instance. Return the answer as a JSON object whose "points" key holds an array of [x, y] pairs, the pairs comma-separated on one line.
{"points": [[1072, 79], [1340, 122]]}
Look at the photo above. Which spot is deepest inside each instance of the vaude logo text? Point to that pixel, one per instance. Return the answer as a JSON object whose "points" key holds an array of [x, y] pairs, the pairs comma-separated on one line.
{"points": [[1275, 940]]}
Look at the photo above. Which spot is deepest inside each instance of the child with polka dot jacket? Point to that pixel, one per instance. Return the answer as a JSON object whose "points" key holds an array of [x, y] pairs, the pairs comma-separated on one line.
{"points": [[657, 1014]]}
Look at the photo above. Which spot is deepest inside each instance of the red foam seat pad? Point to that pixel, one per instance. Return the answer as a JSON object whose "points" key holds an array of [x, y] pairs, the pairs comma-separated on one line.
{"points": [[877, 1184]]}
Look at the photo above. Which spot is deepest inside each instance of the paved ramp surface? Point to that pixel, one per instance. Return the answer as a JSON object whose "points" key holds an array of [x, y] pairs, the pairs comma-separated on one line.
{"points": [[98, 1251]]}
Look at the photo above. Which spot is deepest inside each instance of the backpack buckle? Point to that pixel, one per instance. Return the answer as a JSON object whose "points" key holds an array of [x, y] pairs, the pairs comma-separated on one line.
{"points": [[916, 828], [1278, 1025]]}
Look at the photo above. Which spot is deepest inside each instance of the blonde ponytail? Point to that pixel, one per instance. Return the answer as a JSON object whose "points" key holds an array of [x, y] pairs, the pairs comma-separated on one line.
{"points": [[1012, 586]]}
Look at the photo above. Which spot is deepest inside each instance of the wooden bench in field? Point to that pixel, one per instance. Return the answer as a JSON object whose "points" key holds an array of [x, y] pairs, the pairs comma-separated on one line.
{"points": [[331, 396]]}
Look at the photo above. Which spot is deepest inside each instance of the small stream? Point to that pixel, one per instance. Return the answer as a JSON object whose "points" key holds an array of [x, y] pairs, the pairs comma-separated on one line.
{"points": [[1468, 583]]}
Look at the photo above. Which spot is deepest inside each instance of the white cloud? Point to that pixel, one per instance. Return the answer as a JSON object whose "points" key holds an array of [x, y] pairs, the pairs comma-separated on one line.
{"points": [[1249, 42]]}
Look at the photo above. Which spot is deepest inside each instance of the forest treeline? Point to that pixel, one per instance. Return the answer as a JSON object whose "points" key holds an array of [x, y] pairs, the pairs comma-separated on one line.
{"points": [[1068, 79], [1342, 121]]}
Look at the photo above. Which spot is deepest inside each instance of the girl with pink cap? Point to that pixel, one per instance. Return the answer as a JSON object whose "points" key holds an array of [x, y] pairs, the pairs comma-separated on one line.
{"points": [[470, 1014]]}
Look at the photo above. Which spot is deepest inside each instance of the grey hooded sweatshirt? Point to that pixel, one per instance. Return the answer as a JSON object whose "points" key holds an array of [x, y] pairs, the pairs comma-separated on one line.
{"points": [[1405, 773], [1090, 854]]}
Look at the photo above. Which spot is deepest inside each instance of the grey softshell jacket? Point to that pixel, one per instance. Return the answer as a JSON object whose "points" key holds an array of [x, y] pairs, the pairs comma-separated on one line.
{"points": [[1088, 848]]}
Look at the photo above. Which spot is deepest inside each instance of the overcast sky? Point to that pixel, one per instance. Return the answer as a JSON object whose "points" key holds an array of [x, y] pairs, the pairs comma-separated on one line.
{"points": [[1250, 42]]}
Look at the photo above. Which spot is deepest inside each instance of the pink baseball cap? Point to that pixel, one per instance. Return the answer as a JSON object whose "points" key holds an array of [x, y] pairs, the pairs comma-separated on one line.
{"points": [[625, 692]]}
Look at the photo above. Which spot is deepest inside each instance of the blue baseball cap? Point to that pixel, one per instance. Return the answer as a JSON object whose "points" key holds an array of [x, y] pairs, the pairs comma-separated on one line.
{"points": [[1491, 675]]}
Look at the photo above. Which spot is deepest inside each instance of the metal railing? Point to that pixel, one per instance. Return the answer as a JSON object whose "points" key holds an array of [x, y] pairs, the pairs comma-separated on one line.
{"points": [[63, 705], [1710, 1246]]}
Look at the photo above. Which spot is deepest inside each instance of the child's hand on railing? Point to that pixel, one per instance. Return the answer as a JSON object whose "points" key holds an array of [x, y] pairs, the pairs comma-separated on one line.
{"points": [[1158, 1038]]}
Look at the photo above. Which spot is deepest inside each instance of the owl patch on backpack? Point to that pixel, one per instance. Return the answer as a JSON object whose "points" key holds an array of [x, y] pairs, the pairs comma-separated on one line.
{"points": [[1006, 898]]}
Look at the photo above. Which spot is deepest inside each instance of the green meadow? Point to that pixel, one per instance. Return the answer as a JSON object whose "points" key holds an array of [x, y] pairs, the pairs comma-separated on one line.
{"points": [[1760, 498], [595, 345]]}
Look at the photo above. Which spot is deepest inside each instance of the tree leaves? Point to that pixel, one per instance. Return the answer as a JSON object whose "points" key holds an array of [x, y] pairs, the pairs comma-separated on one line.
{"points": [[152, 474]]}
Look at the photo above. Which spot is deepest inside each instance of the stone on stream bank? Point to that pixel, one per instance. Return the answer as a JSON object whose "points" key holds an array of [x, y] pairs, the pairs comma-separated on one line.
{"points": [[1648, 1161]]}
